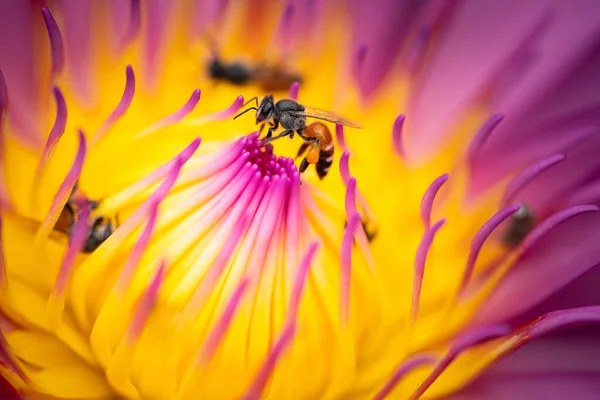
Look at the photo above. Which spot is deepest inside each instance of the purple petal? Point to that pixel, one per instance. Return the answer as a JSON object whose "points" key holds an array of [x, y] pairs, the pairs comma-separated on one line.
{"points": [[546, 368], [556, 259], [18, 66], [383, 30], [465, 61], [573, 33], [77, 20]]}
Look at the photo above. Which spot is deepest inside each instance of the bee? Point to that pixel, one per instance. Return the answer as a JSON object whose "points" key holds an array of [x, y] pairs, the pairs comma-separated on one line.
{"points": [[100, 230], [520, 224], [290, 114], [368, 227], [270, 77], [235, 73]]}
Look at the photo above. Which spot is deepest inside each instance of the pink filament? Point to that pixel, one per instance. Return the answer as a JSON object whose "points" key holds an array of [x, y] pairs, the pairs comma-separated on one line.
{"points": [[462, 343], [58, 129], [419, 268], [346, 267], [479, 239], [294, 88], [549, 223], [398, 137], [482, 136], [229, 111], [146, 304], [65, 188], [403, 369], [341, 139], [177, 116], [56, 42], [217, 333], [78, 237], [350, 205], [429, 198], [138, 251], [529, 174], [260, 380], [121, 108], [299, 283], [218, 266]]}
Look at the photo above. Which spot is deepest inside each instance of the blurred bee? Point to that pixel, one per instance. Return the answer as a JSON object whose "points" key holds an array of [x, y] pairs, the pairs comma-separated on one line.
{"points": [[270, 77], [99, 231], [368, 227], [519, 226]]}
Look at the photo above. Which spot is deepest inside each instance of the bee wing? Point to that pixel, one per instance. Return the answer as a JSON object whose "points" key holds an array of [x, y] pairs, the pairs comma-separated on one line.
{"points": [[326, 116]]}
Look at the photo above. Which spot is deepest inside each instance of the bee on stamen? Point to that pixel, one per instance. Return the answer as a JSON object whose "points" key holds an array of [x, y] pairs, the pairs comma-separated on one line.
{"points": [[292, 115]]}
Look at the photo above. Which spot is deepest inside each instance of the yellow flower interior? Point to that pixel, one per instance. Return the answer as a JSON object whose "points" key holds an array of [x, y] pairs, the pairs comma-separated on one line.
{"points": [[84, 354]]}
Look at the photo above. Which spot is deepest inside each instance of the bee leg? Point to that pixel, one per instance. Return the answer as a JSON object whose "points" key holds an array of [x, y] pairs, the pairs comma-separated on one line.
{"points": [[303, 165], [262, 128], [272, 129], [302, 149], [282, 134]]}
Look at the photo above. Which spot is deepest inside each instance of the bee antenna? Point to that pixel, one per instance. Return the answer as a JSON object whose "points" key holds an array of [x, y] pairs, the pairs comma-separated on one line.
{"points": [[255, 99], [245, 111]]}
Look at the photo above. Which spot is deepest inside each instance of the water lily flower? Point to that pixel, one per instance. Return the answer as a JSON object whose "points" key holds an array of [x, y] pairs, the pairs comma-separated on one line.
{"points": [[153, 247]]}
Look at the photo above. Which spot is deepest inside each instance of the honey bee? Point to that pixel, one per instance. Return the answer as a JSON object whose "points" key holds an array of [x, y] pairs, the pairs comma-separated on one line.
{"points": [[292, 117], [100, 229], [520, 224]]}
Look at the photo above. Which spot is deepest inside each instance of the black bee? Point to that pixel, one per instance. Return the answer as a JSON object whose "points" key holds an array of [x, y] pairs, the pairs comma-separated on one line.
{"points": [[99, 231], [520, 224]]}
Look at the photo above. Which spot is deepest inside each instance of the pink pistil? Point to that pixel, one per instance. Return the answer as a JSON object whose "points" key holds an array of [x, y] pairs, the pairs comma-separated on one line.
{"points": [[398, 136], [479, 239], [350, 206], [260, 380], [64, 190], [137, 252], [482, 136], [341, 139], [177, 116], [299, 283], [550, 222], [403, 369], [346, 267], [529, 174], [462, 343], [57, 48], [294, 89], [419, 268], [121, 108], [345, 173], [77, 240], [429, 198], [218, 266], [218, 332], [146, 304], [58, 129]]}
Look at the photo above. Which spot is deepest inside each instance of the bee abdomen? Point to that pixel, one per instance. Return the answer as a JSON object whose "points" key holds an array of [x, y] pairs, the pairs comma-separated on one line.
{"points": [[325, 161]]}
